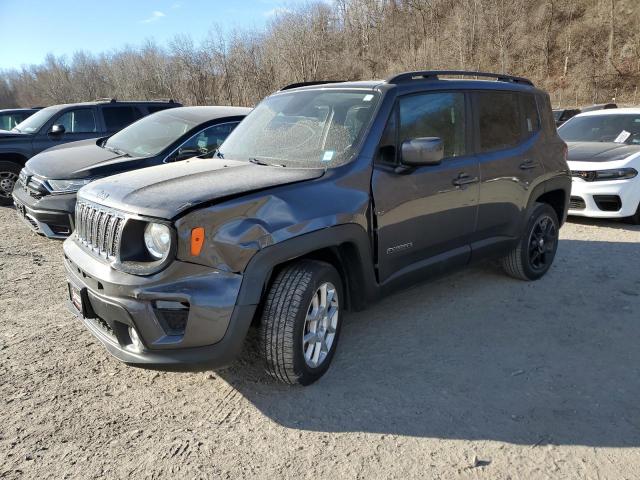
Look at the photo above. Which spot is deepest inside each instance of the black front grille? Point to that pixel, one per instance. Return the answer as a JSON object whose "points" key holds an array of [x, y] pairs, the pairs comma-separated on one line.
{"points": [[608, 203], [577, 203], [99, 228]]}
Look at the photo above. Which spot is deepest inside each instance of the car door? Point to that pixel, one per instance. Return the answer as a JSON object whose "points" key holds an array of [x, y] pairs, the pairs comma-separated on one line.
{"points": [[507, 134], [425, 215], [79, 123]]}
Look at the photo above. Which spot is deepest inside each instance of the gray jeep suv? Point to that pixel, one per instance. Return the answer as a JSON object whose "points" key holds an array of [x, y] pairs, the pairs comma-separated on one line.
{"points": [[323, 199]]}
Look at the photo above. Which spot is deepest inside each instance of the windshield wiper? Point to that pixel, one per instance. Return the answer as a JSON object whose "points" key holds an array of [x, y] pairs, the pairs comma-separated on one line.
{"points": [[263, 163], [116, 150]]}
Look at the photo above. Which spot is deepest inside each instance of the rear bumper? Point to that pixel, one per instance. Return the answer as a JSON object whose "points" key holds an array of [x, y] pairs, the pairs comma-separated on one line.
{"points": [[610, 199], [51, 215], [113, 302]]}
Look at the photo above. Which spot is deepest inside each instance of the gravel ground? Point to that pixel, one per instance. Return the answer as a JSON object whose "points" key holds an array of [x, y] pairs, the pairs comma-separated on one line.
{"points": [[474, 375]]}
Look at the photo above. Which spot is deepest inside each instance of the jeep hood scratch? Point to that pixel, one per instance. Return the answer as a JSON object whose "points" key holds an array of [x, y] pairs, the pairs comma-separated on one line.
{"points": [[166, 191]]}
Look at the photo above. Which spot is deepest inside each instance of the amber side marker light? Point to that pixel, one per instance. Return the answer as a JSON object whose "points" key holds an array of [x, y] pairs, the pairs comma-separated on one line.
{"points": [[197, 240]]}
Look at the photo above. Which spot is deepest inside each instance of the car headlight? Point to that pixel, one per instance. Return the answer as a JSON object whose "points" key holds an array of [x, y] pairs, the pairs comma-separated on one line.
{"points": [[602, 175], [157, 239], [68, 186]]}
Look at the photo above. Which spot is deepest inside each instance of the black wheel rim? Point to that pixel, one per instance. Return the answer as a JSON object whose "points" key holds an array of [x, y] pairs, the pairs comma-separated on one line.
{"points": [[542, 243]]}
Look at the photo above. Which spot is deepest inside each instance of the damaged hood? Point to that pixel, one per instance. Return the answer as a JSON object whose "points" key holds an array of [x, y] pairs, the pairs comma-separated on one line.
{"points": [[165, 191], [600, 151]]}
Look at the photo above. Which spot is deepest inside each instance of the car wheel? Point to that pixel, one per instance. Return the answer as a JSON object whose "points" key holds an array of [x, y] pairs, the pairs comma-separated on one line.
{"points": [[9, 172], [635, 218], [301, 320], [534, 254]]}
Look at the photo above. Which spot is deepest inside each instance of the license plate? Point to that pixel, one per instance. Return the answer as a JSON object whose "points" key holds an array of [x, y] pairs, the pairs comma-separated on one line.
{"points": [[76, 297]]}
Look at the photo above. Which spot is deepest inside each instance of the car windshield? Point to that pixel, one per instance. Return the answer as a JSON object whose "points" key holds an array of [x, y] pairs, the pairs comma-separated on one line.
{"points": [[315, 128], [36, 121], [619, 128], [150, 135], [557, 114]]}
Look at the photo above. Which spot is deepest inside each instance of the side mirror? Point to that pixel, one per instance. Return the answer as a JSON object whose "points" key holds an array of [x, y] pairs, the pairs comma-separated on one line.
{"points": [[57, 130], [422, 151]]}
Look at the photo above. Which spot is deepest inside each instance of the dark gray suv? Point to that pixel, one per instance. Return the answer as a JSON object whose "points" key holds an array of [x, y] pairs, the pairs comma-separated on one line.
{"points": [[60, 124], [323, 199]]}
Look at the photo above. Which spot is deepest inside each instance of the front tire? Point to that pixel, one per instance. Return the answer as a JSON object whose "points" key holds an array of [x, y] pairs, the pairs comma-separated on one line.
{"points": [[635, 218], [301, 322], [9, 172], [534, 254]]}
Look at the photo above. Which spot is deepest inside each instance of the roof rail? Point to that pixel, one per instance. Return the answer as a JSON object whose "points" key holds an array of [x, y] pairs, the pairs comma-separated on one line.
{"points": [[106, 99], [435, 75], [306, 84]]}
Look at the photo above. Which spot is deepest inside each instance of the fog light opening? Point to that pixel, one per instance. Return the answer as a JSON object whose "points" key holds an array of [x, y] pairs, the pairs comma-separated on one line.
{"points": [[136, 343]]}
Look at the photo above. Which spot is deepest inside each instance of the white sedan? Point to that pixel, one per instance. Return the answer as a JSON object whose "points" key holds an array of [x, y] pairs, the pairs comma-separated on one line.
{"points": [[604, 158]]}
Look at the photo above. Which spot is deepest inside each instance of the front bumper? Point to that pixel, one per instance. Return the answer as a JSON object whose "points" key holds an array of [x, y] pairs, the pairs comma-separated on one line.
{"points": [[608, 199], [50, 215], [114, 301]]}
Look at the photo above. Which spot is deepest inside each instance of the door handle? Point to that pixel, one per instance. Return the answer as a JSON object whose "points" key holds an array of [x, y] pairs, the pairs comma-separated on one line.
{"points": [[528, 165], [464, 179]]}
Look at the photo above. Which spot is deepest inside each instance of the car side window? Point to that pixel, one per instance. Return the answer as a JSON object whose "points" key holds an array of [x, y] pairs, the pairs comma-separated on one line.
{"points": [[204, 142], [387, 146], [530, 114], [118, 117], [500, 122], [438, 114], [80, 120]]}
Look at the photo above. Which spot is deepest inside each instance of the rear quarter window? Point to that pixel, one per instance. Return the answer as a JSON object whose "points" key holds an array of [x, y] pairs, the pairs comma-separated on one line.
{"points": [[530, 114]]}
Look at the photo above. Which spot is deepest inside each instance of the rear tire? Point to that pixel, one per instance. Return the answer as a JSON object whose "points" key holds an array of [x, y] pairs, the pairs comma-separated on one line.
{"points": [[534, 254], [9, 172], [298, 334]]}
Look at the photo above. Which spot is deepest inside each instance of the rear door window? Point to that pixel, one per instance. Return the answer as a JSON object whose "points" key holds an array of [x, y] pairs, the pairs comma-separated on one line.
{"points": [[499, 118], [157, 108], [118, 117]]}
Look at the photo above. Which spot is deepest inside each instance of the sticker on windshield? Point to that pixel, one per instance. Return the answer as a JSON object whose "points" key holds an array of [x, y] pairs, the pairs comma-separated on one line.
{"points": [[328, 155], [624, 135], [367, 98]]}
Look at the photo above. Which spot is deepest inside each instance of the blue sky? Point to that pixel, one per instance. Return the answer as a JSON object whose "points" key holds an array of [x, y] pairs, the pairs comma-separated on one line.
{"points": [[32, 28]]}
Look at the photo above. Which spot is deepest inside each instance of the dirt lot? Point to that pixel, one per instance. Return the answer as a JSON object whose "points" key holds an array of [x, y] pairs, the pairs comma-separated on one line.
{"points": [[474, 375]]}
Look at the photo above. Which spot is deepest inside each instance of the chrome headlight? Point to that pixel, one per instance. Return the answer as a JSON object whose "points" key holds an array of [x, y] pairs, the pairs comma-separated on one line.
{"points": [[68, 186], [602, 175], [157, 239]]}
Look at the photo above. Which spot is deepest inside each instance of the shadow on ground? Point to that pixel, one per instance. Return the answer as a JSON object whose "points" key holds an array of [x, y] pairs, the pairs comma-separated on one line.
{"points": [[480, 356], [618, 223]]}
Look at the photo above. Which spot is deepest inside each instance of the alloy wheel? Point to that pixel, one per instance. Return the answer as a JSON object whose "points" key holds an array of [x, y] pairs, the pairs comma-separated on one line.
{"points": [[542, 243], [320, 325], [7, 182]]}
